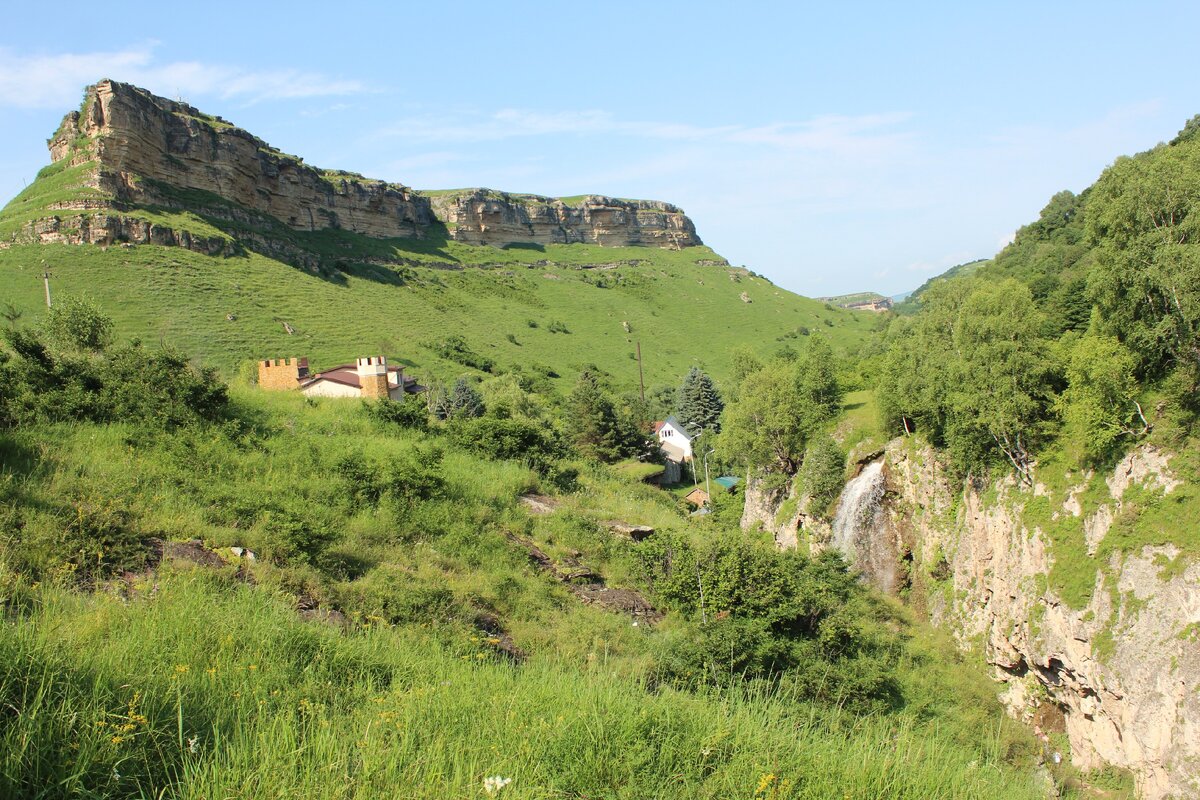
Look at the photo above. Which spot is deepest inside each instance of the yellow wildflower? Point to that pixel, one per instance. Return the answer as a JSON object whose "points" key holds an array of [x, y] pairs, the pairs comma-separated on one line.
{"points": [[765, 782]]}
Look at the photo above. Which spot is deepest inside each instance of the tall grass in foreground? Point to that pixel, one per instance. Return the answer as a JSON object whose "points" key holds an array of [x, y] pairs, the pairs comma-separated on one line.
{"points": [[200, 688]]}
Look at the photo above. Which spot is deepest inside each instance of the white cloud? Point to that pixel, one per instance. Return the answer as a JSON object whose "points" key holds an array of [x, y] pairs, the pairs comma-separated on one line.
{"points": [[863, 135], [56, 80]]}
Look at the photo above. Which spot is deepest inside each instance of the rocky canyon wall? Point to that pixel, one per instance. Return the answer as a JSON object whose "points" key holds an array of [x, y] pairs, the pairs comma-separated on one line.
{"points": [[1118, 672]]}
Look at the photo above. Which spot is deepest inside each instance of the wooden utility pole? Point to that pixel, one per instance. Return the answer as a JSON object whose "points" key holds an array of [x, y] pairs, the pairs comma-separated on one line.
{"points": [[641, 378]]}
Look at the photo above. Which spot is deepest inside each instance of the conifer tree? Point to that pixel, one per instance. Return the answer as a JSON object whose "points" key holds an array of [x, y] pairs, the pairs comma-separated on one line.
{"points": [[698, 404], [465, 401], [597, 427]]}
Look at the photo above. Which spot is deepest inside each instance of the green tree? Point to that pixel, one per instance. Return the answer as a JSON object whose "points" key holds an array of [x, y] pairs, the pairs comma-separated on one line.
{"points": [[465, 401], [1100, 403], [1144, 218], [1000, 380], [780, 406], [822, 475], [766, 426], [698, 404], [596, 428], [744, 362], [820, 394], [77, 323]]}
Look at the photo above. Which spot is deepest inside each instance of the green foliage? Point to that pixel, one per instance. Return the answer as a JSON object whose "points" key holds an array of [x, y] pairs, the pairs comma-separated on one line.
{"points": [[1100, 404], [596, 428], [1002, 391], [76, 323], [162, 389], [1143, 221], [779, 407], [822, 474], [972, 371], [698, 404], [761, 613], [294, 535], [455, 348], [411, 412], [465, 401], [508, 438]]}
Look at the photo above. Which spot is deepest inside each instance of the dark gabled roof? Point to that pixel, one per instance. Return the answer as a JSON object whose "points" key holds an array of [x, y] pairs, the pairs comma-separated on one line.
{"points": [[677, 425], [347, 375]]}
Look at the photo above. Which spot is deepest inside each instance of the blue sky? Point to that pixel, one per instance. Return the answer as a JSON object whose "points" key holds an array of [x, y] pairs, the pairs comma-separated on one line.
{"points": [[834, 149]]}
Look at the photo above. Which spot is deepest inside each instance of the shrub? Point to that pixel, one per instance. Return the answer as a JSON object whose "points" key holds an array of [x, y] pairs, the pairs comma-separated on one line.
{"points": [[509, 438], [130, 384], [821, 474], [455, 348], [76, 323], [411, 412], [293, 535]]}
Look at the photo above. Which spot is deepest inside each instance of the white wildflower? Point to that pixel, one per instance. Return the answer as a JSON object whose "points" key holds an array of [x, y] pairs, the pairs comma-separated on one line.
{"points": [[193, 744], [493, 784]]}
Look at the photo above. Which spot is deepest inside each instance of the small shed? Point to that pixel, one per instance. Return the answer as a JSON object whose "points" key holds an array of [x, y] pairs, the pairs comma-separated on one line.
{"points": [[697, 497]]}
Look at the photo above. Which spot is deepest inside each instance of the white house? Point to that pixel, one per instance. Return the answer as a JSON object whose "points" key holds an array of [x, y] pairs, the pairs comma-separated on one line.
{"points": [[368, 377], [675, 442]]}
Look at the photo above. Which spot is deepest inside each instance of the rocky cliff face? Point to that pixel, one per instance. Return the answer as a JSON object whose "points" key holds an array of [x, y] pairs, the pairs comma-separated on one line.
{"points": [[1119, 675], [480, 216], [151, 151], [133, 136]]}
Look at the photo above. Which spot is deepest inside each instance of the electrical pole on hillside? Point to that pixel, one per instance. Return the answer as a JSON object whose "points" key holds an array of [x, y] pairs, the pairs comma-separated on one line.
{"points": [[46, 281], [641, 378], [707, 485]]}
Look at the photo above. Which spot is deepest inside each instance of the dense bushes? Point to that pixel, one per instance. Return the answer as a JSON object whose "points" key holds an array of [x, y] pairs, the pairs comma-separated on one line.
{"points": [[757, 613], [41, 382]]}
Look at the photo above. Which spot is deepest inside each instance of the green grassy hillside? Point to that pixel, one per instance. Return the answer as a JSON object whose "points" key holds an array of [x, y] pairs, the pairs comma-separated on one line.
{"points": [[191, 679], [682, 313]]}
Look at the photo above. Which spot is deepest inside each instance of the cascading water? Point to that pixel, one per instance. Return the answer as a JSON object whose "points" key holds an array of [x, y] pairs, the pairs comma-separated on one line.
{"points": [[857, 529]]}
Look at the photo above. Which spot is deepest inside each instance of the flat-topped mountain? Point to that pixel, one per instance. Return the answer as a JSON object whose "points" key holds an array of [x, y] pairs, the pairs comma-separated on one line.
{"points": [[130, 150], [195, 233]]}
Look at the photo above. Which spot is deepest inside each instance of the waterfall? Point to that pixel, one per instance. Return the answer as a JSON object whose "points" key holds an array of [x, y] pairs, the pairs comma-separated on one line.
{"points": [[856, 531]]}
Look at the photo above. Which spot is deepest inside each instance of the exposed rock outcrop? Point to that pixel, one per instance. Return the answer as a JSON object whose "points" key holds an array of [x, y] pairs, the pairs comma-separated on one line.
{"points": [[142, 151], [1123, 668], [481, 216], [152, 151]]}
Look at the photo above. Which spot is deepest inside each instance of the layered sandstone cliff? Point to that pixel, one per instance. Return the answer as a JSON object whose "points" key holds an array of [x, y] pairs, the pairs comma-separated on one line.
{"points": [[1118, 675], [142, 150], [481, 216]]}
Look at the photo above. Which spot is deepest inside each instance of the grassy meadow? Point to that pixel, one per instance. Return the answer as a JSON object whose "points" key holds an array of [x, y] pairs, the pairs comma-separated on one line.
{"points": [[551, 318], [126, 678]]}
